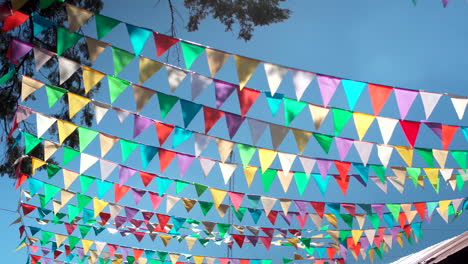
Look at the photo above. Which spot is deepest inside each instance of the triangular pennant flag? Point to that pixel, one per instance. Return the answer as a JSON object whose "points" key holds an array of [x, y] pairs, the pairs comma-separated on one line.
{"points": [[211, 116], [302, 138], [405, 99], [277, 133], [459, 104], [29, 86], [121, 58], [41, 56], [256, 129], [201, 142], [427, 155], [206, 165], [324, 141], [224, 148], [249, 173], [148, 68], [246, 98], [199, 83], [378, 95], [127, 147], [387, 126], [138, 37], [364, 150], [189, 111], [218, 196], [440, 156], [77, 17], [91, 77], [286, 160], [285, 179], [385, 153], [216, 60], [318, 114], [222, 91], [166, 103], [433, 176], [327, 85], [268, 203], [274, 101], [54, 93], [142, 96], [163, 43], [236, 199], [246, 153], [43, 123], [35, 164], [362, 122], [184, 161], [86, 161], [106, 142], [76, 103], [66, 68], [39, 23], [147, 154], [85, 136], [406, 154], [191, 52], [165, 157], [69, 154], [448, 132], [343, 145], [429, 101], [460, 157], [275, 75], [116, 87], [291, 109], [65, 129], [411, 129], [95, 48], [50, 148], [66, 40], [233, 123], [227, 169], [245, 68], [267, 179], [100, 110], [301, 179], [175, 76], [301, 80], [266, 157], [340, 118], [353, 90], [140, 124]]}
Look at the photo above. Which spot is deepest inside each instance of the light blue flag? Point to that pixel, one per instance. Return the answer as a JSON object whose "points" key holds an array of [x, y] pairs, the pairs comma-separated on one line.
{"points": [[353, 90]]}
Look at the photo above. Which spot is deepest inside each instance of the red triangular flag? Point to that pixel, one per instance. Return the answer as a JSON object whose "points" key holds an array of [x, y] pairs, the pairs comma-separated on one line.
{"points": [[350, 207], [163, 130], [57, 253], [268, 231], [147, 216], [239, 239], [246, 97], [272, 216], [67, 250], [411, 129], [20, 179], [137, 252], [448, 132], [421, 208], [27, 208], [343, 183], [16, 19], [138, 235], [402, 219], [343, 168], [331, 252], [212, 116], [302, 219], [35, 259], [408, 230], [70, 227], [163, 219], [378, 95], [146, 177], [266, 241], [120, 191], [104, 217], [319, 208], [163, 42], [112, 248], [155, 199], [165, 157]]}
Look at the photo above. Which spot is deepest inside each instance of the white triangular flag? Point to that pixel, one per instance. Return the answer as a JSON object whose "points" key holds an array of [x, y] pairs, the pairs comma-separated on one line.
{"points": [[256, 129], [201, 142], [275, 75], [364, 150], [388, 239], [100, 110], [385, 153], [50, 148], [397, 183], [107, 168], [41, 57], [100, 246], [459, 103], [199, 84], [206, 165], [370, 234], [456, 203], [380, 184], [121, 115], [444, 215], [285, 179], [175, 77], [286, 160], [318, 113], [387, 126], [86, 161], [268, 203], [429, 101], [308, 164], [285, 204], [440, 156], [316, 219], [67, 68], [114, 210], [227, 169], [446, 174], [301, 80], [170, 202], [43, 123]]}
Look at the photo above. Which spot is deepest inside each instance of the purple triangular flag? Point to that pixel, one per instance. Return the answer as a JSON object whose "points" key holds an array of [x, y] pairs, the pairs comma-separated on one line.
{"points": [[222, 91], [405, 99], [324, 167], [130, 212], [119, 220], [140, 124], [125, 173], [233, 122], [137, 194], [343, 145], [18, 49], [394, 231], [435, 127], [80, 252], [378, 209], [125, 251], [301, 206], [184, 161], [327, 85], [287, 218]]}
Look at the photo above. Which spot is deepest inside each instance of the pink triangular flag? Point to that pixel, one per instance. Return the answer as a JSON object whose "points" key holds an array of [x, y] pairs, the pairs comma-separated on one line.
{"points": [[327, 85], [184, 161], [405, 99], [343, 145]]}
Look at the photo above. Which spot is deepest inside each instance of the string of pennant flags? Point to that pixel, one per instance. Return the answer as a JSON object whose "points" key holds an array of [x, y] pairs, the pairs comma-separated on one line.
{"points": [[390, 221]]}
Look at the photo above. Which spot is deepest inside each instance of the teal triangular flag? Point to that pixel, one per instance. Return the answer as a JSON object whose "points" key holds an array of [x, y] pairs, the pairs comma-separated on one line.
{"points": [[127, 147], [362, 170], [189, 111], [291, 109], [34, 185], [180, 135], [65, 39], [255, 213], [163, 184], [30, 142], [147, 154], [103, 187], [353, 90], [274, 101], [138, 37], [321, 183], [191, 52], [388, 217], [40, 24]]}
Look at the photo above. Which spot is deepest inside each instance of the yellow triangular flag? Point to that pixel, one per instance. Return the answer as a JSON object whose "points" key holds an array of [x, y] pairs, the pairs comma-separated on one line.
{"points": [[50, 148], [95, 48], [249, 173], [148, 67], [77, 17], [65, 196], [285, 204], [56, 205], [65, 129], [35, 164], [190, 242], [142, 96], [356, 234], [76, 103], [302, 138], [216, 60], [59, 238], [198, 259], [360, 218], [86, 244], [285, 179], [20, 246], [443, 205], [142, 260], [335, 234], [406, 154], [91, 77], [224, 148], [245, 69], [293, 241], [319, 114], [433, 177], [218, 196], [98, 206], [362, 122], [331, 218], [107, 142], [29, 86], [165, 238], [68, 178], [174, 257], [266, 157]]}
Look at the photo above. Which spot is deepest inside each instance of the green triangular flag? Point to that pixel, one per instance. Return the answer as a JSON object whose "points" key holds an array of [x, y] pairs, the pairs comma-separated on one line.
{"points": [[84, 230], [54, 93], [138, 37], [116, 86], [73, 241], [104, 25], [223, 228], [266, 261], [205, 206], [267, 179], [166, 102], [30, 142], [394, 209], [375, 220], [344, 233], [180, 135], [376, 249], [306, 241], [246, 153], [460, 181], [291, 109], [286, 260], [163, 184], [301, 179], [50, 191], [460, 158], [379, 170], [200, 188], [52, 169], [274, 101], [130, 259], [353, 90], [324, 141], [65, 39], [5, 78], [85, 182], [34, 185], [414, 174], [103, 187], [83, 200], [162, 255], [348, 219], [73, 212], [69, 154], [42, 200], [427, 155], [45, 3], [180, 185], [127, 147], [121, 59], [240, 213], [340, 118], [189, 111], [46, 236], [86, 135], [191, 52]]}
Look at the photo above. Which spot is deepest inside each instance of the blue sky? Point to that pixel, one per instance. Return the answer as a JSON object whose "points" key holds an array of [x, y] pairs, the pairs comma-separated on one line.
{"points": [[385, 42]]}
